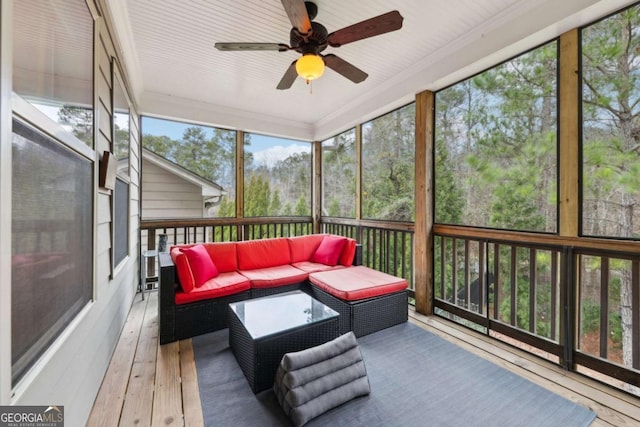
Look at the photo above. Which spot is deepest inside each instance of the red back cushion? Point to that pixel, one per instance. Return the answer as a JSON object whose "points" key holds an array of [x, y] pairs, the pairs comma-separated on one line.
{"points": [[348, 253], [253, 254], [329, 250], [202, 266], [223, 255], [303, 247], [184, 271]]}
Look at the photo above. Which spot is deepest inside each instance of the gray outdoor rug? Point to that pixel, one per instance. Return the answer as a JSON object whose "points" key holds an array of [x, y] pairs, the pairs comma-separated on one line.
{"points": [[416, 377]]}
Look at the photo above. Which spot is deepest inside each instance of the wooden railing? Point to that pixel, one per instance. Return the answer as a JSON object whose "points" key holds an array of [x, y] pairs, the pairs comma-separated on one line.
{"points": [[155, 233], [386, 246], [526, 289], [573, 301]]}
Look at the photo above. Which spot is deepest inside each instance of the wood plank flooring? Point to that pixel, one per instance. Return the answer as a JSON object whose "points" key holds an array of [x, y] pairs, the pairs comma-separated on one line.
{"points": [[152, 385]]}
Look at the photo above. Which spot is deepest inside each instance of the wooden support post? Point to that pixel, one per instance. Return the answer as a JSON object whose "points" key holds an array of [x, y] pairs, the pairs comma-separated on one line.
{"points": [[239, 182], [423, 238], [316, 183], [569, 127], [359, 172]]}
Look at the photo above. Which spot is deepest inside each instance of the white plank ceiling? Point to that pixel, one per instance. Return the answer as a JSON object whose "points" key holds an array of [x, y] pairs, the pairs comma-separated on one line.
{"points": [[175, 71]]}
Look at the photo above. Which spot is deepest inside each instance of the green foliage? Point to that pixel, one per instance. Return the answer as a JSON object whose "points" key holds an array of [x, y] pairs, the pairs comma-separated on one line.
{"points": [[227, 208], [339, 175], [389, 166], [276, 204], [80, 120], [496, 146], [590, 320], [302, 207], [611, 108], [256, 196]]}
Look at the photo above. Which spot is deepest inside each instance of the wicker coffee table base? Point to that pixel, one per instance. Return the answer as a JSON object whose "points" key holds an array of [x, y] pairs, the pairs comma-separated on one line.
{"points": [[259, 359]]}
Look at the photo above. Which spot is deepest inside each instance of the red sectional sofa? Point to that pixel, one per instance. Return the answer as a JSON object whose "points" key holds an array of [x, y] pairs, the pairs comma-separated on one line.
{"points": [[198, 281]]}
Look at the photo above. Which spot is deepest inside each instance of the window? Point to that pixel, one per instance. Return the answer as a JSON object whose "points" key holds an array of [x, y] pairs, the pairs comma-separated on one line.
{"points": [[339, 175], [52, 244], [496, 149], [611, 130], [188, 170], [277, 177], [53, 61], [388, 168], [121, 148], [52, 179]]}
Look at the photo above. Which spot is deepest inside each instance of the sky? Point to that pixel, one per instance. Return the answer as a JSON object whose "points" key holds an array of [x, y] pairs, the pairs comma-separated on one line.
{"points": [[267, 150]]}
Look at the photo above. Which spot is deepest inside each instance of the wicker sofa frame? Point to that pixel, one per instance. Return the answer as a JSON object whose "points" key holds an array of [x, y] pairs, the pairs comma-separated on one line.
{"points": [[181, 321]]}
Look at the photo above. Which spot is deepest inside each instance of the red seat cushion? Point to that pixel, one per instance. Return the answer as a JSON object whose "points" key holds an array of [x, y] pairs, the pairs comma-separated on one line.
{"points": [[201, 264], [313, 267], [271, 277], [225, 284], [356, 283], [329, 250]]}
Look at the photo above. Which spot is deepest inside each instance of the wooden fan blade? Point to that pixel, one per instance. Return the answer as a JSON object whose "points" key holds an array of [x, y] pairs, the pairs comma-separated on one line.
{"points": [[348, 70], [385, 23], [280, 47], [289, 77], [297, 13]]}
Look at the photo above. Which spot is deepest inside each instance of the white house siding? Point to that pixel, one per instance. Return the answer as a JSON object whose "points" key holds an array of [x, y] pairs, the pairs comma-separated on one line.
{"points": [[167, 196], [71, 371]]}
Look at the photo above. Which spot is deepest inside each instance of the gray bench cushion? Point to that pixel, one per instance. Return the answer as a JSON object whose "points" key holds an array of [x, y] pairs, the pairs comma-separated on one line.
{"points": [[312, 381]]}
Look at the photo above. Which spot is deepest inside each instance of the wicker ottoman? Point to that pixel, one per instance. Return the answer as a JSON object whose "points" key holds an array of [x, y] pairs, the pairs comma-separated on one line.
{"points": [[367, 300]]}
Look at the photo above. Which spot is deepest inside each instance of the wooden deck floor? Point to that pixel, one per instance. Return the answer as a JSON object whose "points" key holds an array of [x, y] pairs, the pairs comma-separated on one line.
{"points": [[152, 385]]}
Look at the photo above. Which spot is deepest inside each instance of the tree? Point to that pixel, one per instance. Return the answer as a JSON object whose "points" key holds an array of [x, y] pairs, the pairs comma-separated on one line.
{"points": [[276, 204], [257, 196], [339, 175], [80, 120], [611, 146], [388, 166]]}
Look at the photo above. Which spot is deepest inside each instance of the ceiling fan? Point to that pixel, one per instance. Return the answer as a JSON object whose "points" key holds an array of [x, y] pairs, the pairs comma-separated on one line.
{"points": [[311, 38]]}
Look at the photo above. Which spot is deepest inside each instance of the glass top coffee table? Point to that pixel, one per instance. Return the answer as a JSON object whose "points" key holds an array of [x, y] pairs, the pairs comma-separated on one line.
{"points": [[262, 330]]}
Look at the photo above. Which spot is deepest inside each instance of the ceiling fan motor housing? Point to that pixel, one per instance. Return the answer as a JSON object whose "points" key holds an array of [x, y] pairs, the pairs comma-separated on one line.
{"points": [[316, 43]]}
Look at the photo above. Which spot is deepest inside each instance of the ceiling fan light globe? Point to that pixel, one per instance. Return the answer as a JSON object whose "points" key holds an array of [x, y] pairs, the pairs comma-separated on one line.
{"points": [[310, 66]]}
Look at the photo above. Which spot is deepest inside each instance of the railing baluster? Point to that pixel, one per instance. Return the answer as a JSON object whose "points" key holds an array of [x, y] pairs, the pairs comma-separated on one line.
{"points": [[604, 307], [482, 279], [467, 292], [532, 290], [635, 313], [496, 283], [514, 286]]}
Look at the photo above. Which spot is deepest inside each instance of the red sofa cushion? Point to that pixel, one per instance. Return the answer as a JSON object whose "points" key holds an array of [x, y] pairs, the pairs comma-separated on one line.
{"points": [[271, 277], [313, 267], [348, 253], [201, 264], [329, 250], [224, 255], [356, 283], [185, 276], [225, 284], [303, 247], [254, 254]]}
